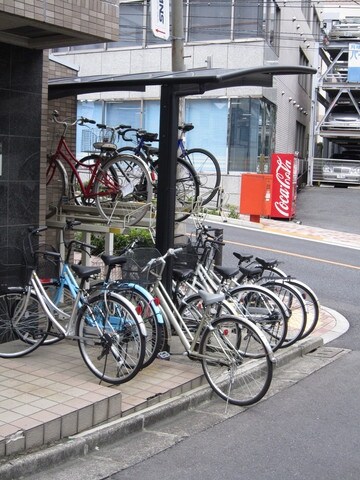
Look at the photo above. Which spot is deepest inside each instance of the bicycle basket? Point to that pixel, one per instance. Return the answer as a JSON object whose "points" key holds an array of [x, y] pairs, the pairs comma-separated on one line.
{"points": [[47, 265], [14, 271], [187, 258], [136, 261]]}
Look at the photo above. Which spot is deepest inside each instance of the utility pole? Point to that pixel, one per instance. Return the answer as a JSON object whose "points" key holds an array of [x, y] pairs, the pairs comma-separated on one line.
{"points": [[177, 26]]}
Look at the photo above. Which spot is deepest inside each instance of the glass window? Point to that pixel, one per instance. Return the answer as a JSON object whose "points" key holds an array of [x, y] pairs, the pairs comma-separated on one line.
{"points": [[272, 24], [131, 25], [251, 134], [209, 20], [247, 19], [209, 118], [92, 46], [86, 134], [151, 117], [127, 113]]}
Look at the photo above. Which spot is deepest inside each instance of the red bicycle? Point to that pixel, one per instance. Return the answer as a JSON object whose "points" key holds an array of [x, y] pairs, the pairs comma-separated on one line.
{"points": [[118, 186]]}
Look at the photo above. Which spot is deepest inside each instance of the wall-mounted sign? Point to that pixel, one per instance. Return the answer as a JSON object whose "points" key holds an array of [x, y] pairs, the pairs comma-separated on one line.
{"points": [[354, 62], [160, 18]]}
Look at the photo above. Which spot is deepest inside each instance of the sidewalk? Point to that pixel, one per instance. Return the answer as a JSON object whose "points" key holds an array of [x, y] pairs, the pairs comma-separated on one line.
{"points": [[50, 395]]}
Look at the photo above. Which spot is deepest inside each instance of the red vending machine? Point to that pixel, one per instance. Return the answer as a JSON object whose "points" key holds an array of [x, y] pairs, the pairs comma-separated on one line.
{"points": [[284, 169]]}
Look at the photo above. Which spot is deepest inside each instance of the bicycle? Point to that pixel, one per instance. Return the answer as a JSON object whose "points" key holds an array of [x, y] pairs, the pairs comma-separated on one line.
{"points": [[187, 181], [264, 271], [236, 358], [109, 332], [62, 287], [104, 180], [194, 271]]}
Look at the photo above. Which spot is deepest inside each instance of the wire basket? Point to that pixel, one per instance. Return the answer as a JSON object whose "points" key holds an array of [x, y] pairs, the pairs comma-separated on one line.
{"points": [[136, 261], [14, 270], [92, 139], [187, 258]]}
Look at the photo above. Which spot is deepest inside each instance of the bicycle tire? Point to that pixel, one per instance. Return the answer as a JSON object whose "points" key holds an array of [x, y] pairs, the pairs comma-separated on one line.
{"points": [[208, 170], [294, 302], [111, 338], [21, 335], [236, 377], [123, 190], [56, 186], [187, 189], [150, 313], [264, 309], [312, 305], [131, 151]]}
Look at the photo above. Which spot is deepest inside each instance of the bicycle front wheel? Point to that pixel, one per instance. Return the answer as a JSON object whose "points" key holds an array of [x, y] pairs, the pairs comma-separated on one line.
{"points": [[123, 190], [112, 339], [208, 170], [23, 324], [292, 299], [145, 306], [236, 377]]}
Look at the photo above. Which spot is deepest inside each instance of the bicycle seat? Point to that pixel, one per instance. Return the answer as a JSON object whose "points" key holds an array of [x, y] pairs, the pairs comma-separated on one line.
{"points": [[210, 298], [242, 258], [266, 263], [226, 272], [186, 127], [182, 273], [113, 259], [85, 272], [251, 272]]}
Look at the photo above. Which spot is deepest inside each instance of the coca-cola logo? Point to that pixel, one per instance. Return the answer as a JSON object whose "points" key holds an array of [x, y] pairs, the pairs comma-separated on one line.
{"points": [[283, 177]]}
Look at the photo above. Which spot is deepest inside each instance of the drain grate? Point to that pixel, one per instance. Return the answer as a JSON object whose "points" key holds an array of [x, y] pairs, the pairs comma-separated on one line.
{"points": [[327, 352]]}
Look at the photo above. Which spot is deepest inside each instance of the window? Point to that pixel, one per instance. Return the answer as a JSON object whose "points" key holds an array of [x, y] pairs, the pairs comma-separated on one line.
{"points": [[209, 20], [131, 25], [209, 118], [247, 19], [300, 145], [272, 24], [251, 133], [304, 79]]}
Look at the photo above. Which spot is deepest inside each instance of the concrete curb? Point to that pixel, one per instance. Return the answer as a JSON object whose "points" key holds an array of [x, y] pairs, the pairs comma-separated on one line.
{"points": [[85, 442]]}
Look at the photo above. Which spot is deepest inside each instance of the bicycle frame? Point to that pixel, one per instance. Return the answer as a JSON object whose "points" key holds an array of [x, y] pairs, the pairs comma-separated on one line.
{"points": [[63, 152]]}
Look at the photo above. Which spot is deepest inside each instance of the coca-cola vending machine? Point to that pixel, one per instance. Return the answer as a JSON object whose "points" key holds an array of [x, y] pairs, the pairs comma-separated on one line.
{"points": [[284, 169]]}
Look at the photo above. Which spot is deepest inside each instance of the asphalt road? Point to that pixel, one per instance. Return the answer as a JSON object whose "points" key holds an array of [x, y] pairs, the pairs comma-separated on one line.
{"points": [[330, 208]]}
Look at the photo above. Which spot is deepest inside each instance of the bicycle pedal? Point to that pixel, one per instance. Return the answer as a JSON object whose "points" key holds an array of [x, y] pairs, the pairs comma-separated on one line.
{"points": [[163, 355]]}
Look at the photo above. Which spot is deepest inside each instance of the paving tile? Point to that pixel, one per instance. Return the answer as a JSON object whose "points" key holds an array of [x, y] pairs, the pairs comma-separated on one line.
{"points": [[69, 424], [52, 430]]}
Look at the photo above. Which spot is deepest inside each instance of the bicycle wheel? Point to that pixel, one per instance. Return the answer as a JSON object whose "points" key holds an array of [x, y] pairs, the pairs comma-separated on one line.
{"points": [[112, 338], [150, 313], [123, 190], [292, 299], [312, 305], [85, 169], [264, 309], [208, 171], [235, 376], [23, 324], [56, 186]]}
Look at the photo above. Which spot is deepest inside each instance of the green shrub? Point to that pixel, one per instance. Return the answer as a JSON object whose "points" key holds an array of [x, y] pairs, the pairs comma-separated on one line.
{"points": [[120, 240]]}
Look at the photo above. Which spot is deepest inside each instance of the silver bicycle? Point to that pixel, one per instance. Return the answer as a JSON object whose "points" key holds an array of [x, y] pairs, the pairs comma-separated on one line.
{"points": [[236, 358], [109, 332]]}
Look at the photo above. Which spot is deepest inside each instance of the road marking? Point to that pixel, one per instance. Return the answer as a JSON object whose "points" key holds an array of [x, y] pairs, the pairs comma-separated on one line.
{"points": [[284, 252]]}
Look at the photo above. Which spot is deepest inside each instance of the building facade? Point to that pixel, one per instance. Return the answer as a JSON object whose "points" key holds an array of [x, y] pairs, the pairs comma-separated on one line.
{"points": [[241, 126]]}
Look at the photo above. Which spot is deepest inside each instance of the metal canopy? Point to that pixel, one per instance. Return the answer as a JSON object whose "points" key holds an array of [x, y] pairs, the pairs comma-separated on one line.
{"points": [[173, 85], [187, 82]]}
